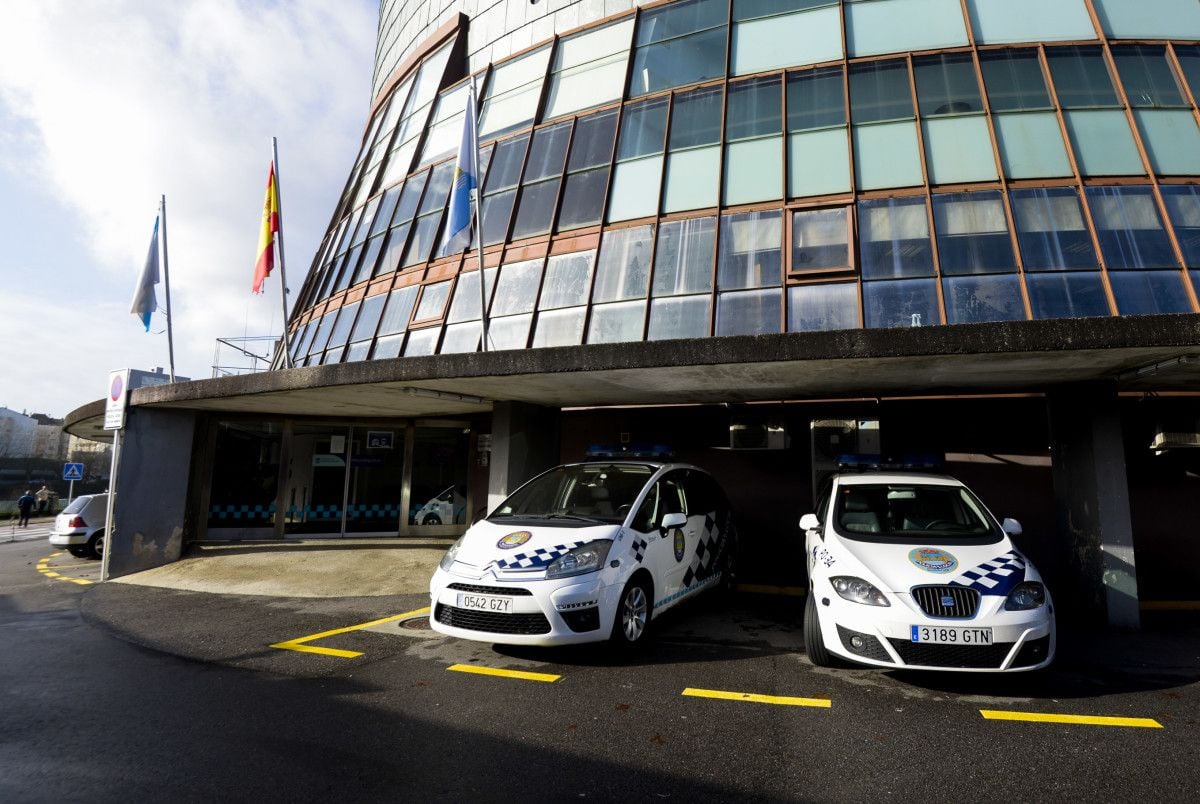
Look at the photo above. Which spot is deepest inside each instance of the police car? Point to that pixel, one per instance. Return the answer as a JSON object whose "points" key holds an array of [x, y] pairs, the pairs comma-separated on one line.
{"points": [[909, 570], [585, 552]]}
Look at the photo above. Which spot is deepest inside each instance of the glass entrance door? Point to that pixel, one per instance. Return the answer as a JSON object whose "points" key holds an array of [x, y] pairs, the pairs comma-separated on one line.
{"points": [[376, 479], [316, 479]]}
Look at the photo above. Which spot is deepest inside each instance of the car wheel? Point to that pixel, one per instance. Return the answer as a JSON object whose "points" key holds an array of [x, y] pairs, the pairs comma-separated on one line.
{"points": [[95, 545], [814, 646], [431, 519], [633, 613], [78, 552]]}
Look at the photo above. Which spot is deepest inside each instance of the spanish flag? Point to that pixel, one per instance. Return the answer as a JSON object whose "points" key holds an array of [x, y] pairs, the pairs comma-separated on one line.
{"points": [[266, 238]]}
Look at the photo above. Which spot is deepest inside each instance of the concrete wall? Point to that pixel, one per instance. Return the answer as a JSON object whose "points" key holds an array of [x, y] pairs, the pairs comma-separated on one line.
{"points": [[152, 490]]}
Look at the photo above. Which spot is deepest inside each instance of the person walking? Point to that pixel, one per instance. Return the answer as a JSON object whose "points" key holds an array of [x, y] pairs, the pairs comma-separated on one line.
{"points": [[25, 506], [43, 499]]}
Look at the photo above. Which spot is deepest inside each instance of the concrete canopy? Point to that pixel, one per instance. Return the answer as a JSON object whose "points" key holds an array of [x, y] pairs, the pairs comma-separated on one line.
{"points": [[1147, 353]]}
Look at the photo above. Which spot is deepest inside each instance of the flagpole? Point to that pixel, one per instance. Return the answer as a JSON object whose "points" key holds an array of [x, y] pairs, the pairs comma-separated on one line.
{"points": [[287, 349], [483, 319], [167, 282]]}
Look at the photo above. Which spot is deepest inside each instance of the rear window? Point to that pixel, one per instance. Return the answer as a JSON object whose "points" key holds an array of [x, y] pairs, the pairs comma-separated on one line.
{"points": [[908, 512], [77, 505]]}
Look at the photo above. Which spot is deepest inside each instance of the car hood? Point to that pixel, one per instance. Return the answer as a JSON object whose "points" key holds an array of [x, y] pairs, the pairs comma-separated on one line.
{"points": [[508, 547], [993, 569]]}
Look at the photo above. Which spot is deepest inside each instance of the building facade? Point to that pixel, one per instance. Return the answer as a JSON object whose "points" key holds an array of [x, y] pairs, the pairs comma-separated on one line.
{"points": [[757, 234]]}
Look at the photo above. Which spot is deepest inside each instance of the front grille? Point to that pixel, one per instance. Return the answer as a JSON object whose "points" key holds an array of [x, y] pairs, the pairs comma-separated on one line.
{"points": [[492, 623], [490, 590], [871, 648], [964, 602], [975, 656]]}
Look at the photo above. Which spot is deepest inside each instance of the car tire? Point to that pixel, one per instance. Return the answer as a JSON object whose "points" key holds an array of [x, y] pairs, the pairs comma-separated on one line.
{"points": [[814, 646], [79, 552], [95, 545], [631, 622], [431, 519]]}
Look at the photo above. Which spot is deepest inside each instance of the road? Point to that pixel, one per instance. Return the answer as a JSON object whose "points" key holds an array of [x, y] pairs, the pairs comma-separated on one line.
{"points": [[111, 692]]}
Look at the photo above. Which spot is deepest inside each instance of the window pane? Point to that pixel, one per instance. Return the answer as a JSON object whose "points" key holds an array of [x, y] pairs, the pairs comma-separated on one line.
{"points": [[357, 352], [1189, 60], [900, 303], [389, 347], [634, 192], [679, 317], [1080, 77], [1149, 292], [947, 85], [676, 62], [818, 163], [568, 280], [589, 68], [372, 308], [893, 237], [750, 251], [513, 92], [749, 312], [386, 209], [440, 180], [959, 149], [816, 99], [397, 240], [421, 240], [509, 332], [623, 269], [1014, 80], [684, 258], [692, 179], [899, 25], [643, 128], [768, 37], [1029, 20], [537, 209], [1148, 78], [505, 170], [1172, 140], [1137, 19], [398, 310], [1103, 143], [755, 109], [617, 323], [548, 152], [1078, 294], [1183, 208], [318, 342], [1130, 231], [696, 118], [879, 91], [433, 301], [422, 342], [496, 211], [813, 308], [820, 239], [593, 143], [341, 330], [445, 128], [559, 327], [370, 256], [1031, 145], [516, 290], [465, 306], [974, 299], [583, 199], [406, 209], [462, 338], [678, 19], [887, 155], [1051, 232], [972, 234], [753, 170]]}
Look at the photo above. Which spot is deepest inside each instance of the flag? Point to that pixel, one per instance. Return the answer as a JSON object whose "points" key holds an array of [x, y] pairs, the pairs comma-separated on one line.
{"points": [[144, 301], [266, 238], [458, 226]]}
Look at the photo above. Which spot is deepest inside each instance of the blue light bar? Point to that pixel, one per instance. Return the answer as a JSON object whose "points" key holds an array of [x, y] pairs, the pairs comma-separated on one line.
{"points": [[657, 452], [873, 462]]}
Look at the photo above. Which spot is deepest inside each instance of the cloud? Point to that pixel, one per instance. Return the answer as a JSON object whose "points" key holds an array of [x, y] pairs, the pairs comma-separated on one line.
{"points": [[108, 105]]}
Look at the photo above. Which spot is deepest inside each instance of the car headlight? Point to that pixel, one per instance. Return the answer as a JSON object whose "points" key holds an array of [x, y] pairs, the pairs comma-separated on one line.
{"points": [[857, 590], [584, 558], [448, 559], [1026, 596]]}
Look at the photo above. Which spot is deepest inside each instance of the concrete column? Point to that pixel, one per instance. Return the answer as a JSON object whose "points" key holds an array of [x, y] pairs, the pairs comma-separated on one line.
{"points": [[1091, 496], [152, 490], [525, 441]]}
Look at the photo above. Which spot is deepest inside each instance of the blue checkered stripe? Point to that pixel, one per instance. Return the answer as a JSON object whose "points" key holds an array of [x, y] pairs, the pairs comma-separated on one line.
{"points": [[535, 559], [639, 549], [995, 577], [704, 560]]}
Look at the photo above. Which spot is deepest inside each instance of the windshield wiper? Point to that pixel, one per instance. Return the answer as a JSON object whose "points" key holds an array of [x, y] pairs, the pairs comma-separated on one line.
{"points": [[575, 517]]}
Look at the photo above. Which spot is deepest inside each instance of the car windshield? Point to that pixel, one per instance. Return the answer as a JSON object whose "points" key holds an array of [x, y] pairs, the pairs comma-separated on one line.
{"points": [[903, 512], [583, 493]]}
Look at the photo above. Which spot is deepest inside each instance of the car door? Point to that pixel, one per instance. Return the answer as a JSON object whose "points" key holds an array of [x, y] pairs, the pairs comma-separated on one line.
{"points": [[655, 548], [704, 536]]}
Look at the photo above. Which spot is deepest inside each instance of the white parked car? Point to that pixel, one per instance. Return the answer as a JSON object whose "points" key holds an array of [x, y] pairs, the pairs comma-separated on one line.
{"points": [[81, 525], [908, 570], [583, 553], [443, 509]]}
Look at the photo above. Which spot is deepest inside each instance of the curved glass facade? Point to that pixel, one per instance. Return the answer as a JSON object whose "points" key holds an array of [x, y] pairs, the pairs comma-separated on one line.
{"points": [[707, 168]]}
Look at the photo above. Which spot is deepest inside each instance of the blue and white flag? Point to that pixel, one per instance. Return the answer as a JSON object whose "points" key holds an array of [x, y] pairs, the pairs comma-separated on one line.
{"points": [[458, 227], [144, 301]]}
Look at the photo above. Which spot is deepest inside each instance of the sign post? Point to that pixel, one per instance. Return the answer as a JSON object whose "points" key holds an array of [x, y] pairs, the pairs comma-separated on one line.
{"points": [[114, 419], [72, 472]]}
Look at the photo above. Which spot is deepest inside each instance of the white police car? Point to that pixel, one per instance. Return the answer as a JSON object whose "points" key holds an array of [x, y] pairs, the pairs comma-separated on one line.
{"points": [[585, 552], [908, 570]]}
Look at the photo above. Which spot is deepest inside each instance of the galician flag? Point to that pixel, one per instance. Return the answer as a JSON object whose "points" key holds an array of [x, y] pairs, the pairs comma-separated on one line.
{"points": [[458, 225], [144, 301], [266, 238]]}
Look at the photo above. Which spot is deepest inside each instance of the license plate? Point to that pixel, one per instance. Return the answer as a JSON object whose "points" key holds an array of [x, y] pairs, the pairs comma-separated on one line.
{"points": [[499, 605], [946, 635]]}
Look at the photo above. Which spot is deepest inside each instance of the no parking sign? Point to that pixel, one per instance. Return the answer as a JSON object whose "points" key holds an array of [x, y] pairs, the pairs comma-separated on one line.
{"points": [[118, 393]]}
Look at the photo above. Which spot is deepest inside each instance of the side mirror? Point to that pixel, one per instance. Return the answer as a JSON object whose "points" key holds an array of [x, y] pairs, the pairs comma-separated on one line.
{"points": [[809, 522], [672, 521], [1011, 526]]}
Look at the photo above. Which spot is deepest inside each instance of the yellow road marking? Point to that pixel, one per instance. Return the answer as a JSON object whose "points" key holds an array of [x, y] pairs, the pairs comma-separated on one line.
{"points": [[299, 645], [496, 671], [1079, 720], [767, 589], [780, 700], [79, 581], [43, 566], [50, 574]]}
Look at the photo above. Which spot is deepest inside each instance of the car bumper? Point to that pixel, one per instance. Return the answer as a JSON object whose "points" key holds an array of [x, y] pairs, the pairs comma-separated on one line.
{"points": [[566, 611], [71, 539], [1021, 640]]}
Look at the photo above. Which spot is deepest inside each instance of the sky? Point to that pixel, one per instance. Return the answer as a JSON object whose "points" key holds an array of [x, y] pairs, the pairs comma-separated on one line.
{"points": [[106, 105]]}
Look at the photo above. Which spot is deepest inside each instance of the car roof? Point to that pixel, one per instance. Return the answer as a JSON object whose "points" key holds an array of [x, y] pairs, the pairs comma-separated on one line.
{"points": [[918, 478]]}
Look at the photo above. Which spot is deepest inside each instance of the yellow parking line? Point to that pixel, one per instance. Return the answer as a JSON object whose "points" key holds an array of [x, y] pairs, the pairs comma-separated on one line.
{"points": [[299, 645], [50, 574], [1079, 720], [80, 581], [496, 671], [781, 700]]}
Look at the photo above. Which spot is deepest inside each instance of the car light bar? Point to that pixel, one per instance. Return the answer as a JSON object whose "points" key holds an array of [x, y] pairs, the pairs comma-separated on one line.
{"points": [[656, 451], [868, 462]]}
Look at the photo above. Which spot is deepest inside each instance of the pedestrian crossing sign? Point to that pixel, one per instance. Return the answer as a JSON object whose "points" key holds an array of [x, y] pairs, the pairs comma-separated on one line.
{"points": [[72, 471]]}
